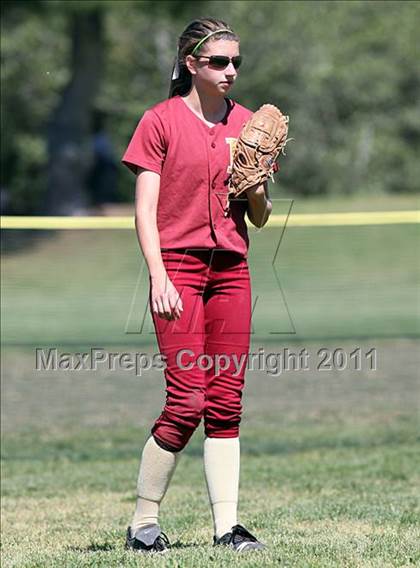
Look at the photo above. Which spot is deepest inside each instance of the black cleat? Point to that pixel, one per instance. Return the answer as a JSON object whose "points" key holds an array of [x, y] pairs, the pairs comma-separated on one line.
{"points": [[239, 539], [147, 540]]}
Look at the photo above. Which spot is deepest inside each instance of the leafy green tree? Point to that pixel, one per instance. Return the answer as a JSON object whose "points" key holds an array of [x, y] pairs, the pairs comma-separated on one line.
{"points": [[346, 73]]}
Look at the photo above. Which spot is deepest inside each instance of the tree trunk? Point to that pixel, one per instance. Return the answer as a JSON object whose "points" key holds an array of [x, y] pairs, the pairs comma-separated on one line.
{"points": [[70, 128]]}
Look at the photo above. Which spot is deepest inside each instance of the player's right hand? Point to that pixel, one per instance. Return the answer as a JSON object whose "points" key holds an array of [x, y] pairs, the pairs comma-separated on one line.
{"points": [[166, 301]]}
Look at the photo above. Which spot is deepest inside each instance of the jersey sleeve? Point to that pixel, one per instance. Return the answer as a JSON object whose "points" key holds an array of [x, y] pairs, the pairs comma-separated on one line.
{"points": [[147, 147]]}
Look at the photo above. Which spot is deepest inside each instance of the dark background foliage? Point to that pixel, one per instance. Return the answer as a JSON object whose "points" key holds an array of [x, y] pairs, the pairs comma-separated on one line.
{"points": [[345, 72]]}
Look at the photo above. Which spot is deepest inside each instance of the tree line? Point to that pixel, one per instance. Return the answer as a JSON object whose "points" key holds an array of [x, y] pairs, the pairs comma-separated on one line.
{"points": [[346, 72]]}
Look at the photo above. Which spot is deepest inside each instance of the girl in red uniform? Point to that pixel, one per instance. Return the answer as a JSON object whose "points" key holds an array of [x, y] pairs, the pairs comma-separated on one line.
{"points": [[195, 243]]}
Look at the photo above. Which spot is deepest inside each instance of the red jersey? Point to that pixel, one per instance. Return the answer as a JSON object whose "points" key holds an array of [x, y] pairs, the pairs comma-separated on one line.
{"points": [[193, 161]]}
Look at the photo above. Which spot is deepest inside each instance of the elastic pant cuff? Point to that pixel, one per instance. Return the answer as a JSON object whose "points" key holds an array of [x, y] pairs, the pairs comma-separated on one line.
{"points": [[166, 446]]}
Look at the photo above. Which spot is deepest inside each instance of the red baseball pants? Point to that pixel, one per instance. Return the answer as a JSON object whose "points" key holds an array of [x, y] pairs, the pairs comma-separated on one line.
{"points": [[215, 289]]}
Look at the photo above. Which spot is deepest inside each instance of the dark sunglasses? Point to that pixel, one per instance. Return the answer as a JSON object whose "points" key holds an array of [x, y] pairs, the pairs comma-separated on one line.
{"points": [[222, 61]]}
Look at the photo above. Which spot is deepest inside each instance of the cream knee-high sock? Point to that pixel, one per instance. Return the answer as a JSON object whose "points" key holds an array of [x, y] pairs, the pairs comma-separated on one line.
{"points": [[156, 469], [221, 468]]}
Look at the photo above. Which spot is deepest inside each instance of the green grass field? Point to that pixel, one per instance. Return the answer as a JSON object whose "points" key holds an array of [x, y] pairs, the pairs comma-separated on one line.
{"points": [[330, 459], [329, 468], [84, 286]]}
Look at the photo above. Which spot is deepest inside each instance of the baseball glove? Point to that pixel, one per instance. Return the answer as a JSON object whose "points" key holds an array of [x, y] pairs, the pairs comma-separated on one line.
{"points": [[261, 140]]}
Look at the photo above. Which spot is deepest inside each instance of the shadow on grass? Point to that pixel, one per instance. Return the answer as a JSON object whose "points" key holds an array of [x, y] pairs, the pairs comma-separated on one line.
{"points": [[20, 241], [94, 547], [180, 545], [108, 547], [116, 444], [96, 447]]}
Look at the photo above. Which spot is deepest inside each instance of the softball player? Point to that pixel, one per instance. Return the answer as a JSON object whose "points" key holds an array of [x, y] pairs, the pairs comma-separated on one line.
{"points": [[196, 248]]}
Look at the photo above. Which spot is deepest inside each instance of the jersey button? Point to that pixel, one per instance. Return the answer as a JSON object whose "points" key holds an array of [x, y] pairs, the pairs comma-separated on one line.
{"points": [[211, 132], [213, 144], [213, 184]]}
